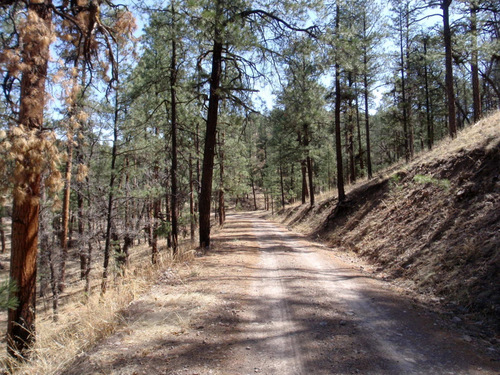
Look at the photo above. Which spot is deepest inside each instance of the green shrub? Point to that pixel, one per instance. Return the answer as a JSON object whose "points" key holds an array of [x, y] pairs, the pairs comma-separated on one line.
{"points": [[425, 179]]}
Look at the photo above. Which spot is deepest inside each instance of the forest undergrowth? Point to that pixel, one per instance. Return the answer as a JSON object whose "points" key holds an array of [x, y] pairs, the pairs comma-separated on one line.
{"points": [[83, 320], [432, 226]]}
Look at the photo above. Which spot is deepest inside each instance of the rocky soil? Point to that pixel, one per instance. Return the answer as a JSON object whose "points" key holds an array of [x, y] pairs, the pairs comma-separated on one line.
{"points": [[269, 301]]}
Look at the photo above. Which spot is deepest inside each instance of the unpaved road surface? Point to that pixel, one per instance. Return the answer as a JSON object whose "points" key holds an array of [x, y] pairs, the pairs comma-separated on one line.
{"points": [[267, 301]]}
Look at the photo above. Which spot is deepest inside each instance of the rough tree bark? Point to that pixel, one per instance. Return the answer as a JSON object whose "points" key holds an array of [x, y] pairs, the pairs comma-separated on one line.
{"points": [[81, 243], [403, 91], [173, 114], [25, 208], [210, 138], [63, 239], [350, 134], [476, 95], [367, 113], [282, 186], [309, 164], [255, 207], [109, 215], [358, 129], [2, 231], [450, 91], [191, 200], [303, 169], [338, 137]]}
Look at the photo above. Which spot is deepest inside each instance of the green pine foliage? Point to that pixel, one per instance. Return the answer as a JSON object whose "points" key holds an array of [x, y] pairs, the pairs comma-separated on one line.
{"points": [[7, 299]]}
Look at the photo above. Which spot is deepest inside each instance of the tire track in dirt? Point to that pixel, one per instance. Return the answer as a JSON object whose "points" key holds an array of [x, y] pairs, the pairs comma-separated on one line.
{"points": [[278, 349], [388, 335], [398, 360], [268, 301]]}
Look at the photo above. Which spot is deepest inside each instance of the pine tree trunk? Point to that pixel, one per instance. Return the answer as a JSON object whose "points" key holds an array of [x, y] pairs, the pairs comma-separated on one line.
{"points": [[403, 92], [198, 166], [410, 122], [44, 248], [358, 129], [156, 205], [350, 139], [191, 200], [450, 91], [350, 135], [210, 138], [173, 110], [80, 217], [44, 267], [154, 230], [54, 284], [338, 138], [282, 186], [2, 231], [25, 209], [310, 177], [109, 215], [254, 195], [367, 114], [305, 191], [88, 255], [272, 202], [476, 95], [63, 241], [50, 254], [128, 242], [88, 267], [168, 214], [308, 164], [367, 132], [128, 238]]}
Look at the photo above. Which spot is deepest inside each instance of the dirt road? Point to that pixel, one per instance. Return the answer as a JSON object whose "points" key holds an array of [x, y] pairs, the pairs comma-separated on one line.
{"points": [[267, 301]]}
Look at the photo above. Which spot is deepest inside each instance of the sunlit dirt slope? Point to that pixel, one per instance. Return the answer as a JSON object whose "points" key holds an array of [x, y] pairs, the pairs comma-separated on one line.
{"points": [[432, 226]]}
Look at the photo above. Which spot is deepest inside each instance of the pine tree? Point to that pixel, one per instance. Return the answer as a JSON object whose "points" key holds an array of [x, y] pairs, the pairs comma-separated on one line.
{"points": [[32, 146]]}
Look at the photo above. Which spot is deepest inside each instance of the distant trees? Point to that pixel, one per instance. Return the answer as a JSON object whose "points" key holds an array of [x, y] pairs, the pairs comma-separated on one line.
{"points": [[436, 59], [228, 27], [303, 101]]}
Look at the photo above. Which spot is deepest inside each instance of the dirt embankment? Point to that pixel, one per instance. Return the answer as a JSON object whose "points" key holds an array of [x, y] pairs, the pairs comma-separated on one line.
{"points": [[432, 226]]}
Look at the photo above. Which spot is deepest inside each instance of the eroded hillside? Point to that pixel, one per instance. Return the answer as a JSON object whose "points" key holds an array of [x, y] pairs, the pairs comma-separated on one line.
{"points": [[432, 225]]}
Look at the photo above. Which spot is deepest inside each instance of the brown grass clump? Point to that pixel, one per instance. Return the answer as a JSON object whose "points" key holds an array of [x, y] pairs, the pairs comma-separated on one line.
{"points": [[85, 320]]}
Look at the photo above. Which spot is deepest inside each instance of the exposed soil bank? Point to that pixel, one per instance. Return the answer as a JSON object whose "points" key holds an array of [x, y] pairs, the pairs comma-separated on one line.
{"points": [[433, 226]]}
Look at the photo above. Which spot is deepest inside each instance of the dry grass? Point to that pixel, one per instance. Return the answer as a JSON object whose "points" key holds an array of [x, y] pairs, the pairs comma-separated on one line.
{"points": [[432, 224], [85, 320], [483, 134]]}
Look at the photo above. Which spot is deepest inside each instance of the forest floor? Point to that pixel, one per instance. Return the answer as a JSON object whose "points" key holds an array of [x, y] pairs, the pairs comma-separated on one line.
{"points": [[269, 301]]}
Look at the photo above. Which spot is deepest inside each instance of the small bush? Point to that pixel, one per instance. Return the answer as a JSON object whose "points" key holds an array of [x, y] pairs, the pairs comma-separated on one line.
{"points": [[6, 299], [425, 179]]}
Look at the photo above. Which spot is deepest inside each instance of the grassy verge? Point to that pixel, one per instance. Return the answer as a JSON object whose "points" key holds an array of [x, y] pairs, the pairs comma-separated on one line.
{"points": [[85, 320]]}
